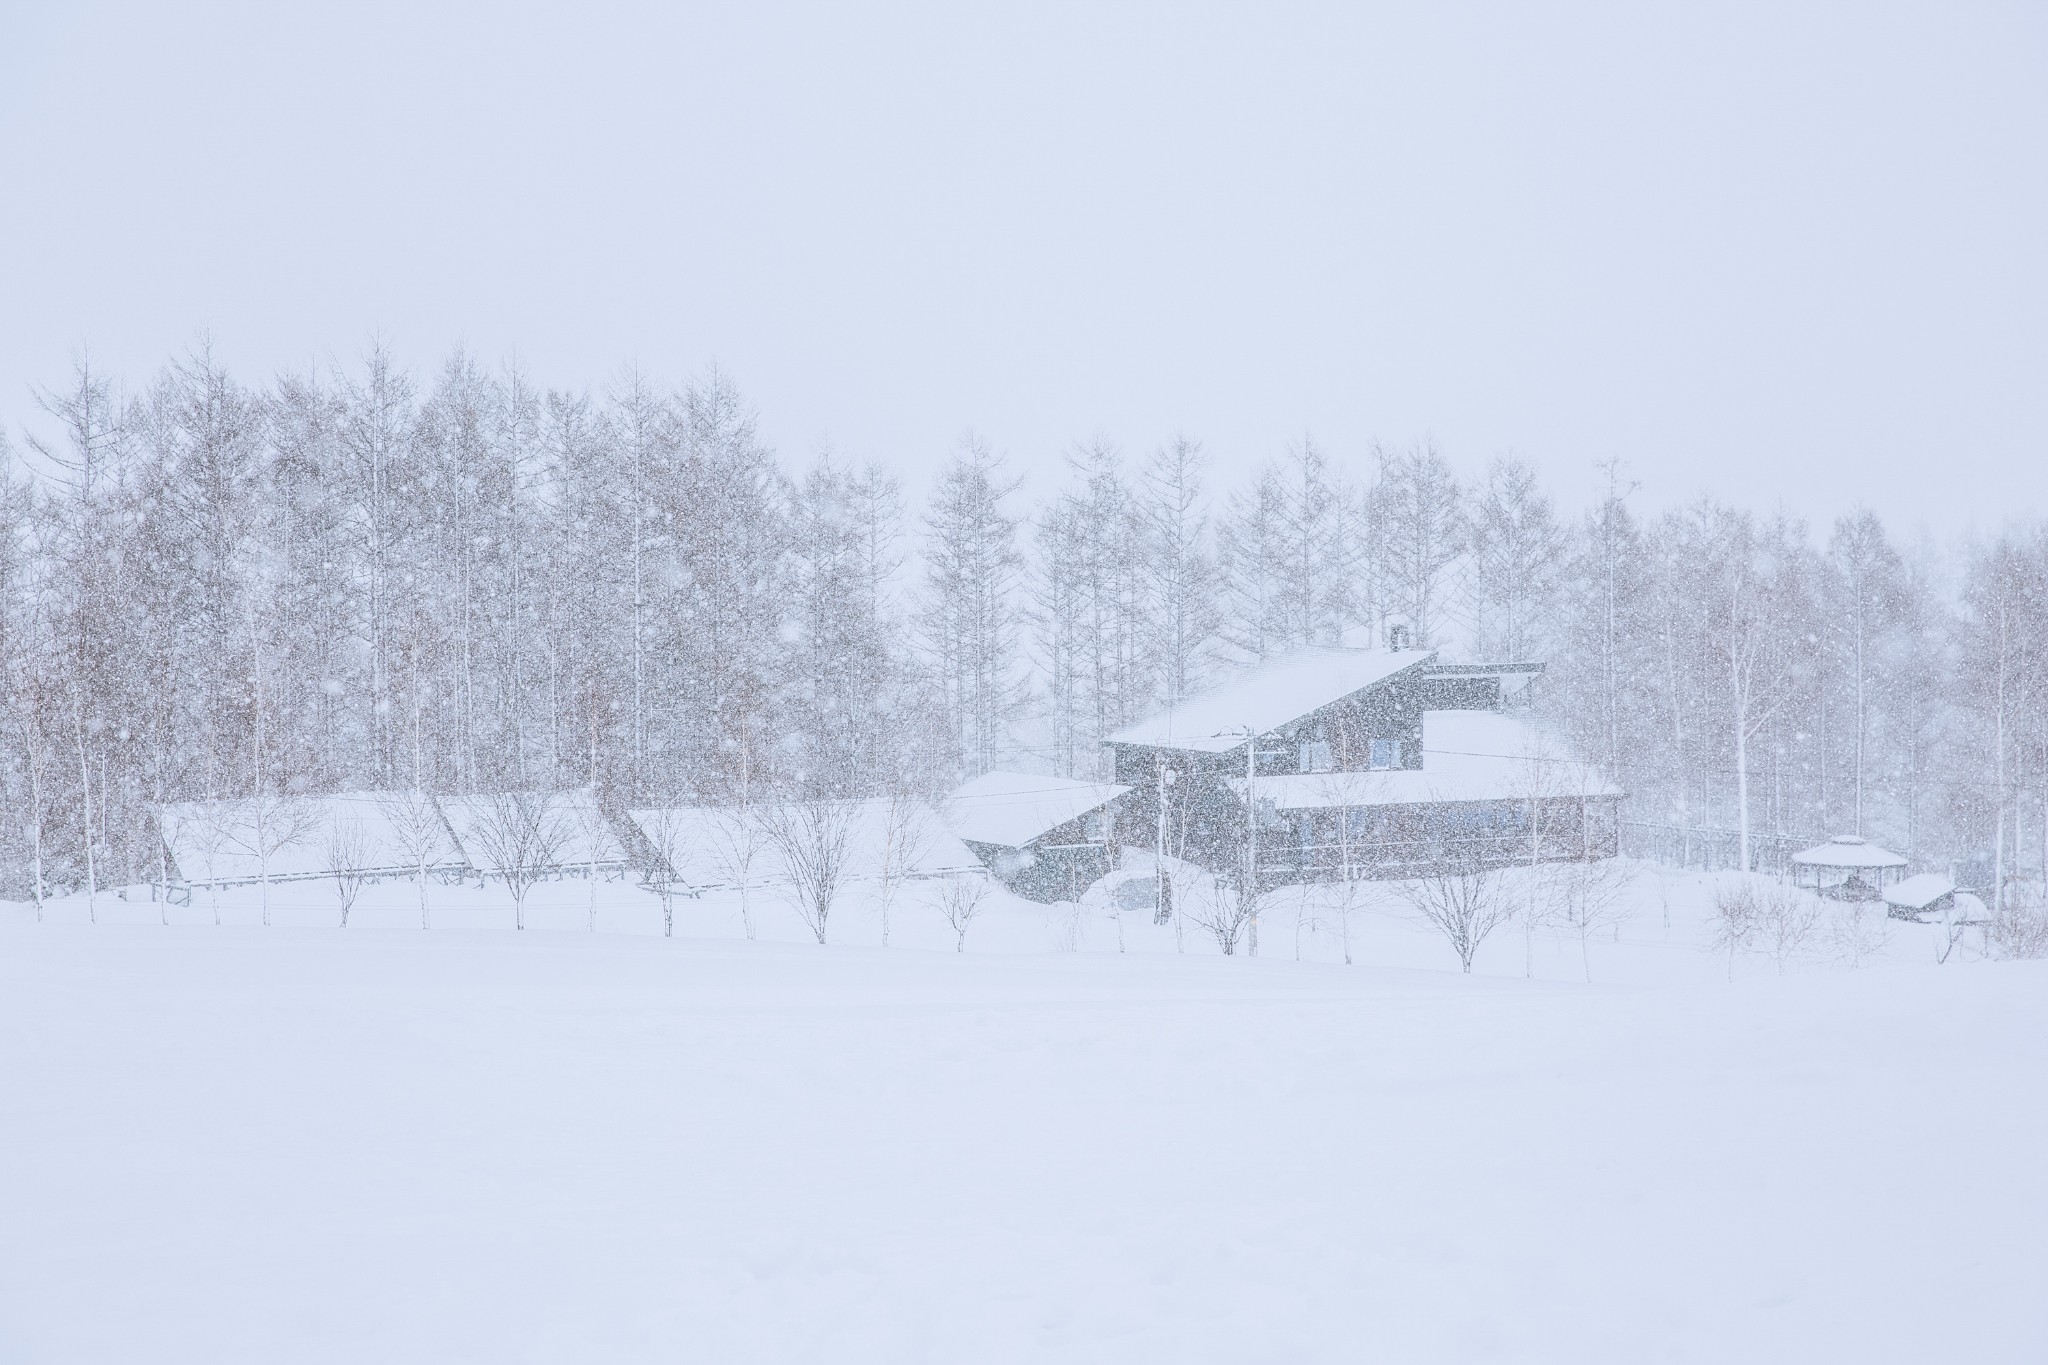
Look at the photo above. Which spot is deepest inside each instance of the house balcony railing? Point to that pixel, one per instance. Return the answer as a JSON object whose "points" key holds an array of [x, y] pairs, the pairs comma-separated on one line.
{"points": [[1391, 858]]}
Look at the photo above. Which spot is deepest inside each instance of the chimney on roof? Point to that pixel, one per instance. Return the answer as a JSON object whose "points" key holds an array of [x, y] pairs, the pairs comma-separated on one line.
{"points": [[1397, 635]]}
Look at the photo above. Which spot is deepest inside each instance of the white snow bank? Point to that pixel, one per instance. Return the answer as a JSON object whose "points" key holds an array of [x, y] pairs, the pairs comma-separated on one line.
{"points": [[238, 1146]]}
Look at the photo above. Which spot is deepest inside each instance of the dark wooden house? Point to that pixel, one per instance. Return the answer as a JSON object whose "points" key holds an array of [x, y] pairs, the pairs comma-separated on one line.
{"points": [[1355, 762]]}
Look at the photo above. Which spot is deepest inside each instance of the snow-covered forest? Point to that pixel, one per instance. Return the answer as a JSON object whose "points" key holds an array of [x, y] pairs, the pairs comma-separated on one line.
{"points": [[363, 577]]}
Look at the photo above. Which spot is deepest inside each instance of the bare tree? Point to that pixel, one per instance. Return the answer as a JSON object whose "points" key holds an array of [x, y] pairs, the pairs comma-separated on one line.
{"points": [[906, 832], [1227, 916], [1586, 896], [1461, 898], [35, 754], [812, 836], [663, 828], [1419, 532], [596, 830], [521, 835], [970, 614], [203, 831], [416, 828], [960, 900], [1181, 615], [2018, 930], [1351, 828], [1786, 919], [1736, 922], [1857, 932], [740, 838], [347, 849], [1517, 550], [265, 825]]}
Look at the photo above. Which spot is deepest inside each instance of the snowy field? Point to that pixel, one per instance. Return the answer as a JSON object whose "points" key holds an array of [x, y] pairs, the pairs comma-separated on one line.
{"points": [[302, 1143]]}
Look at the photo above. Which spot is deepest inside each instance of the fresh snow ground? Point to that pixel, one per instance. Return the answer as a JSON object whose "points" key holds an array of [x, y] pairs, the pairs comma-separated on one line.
{"points": [[472, 1144]]}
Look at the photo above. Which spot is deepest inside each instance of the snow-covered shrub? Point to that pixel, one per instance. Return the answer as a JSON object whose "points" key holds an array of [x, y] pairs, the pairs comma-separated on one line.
{"points": [[1735, 918], [1857, 931], [2020, 930]]}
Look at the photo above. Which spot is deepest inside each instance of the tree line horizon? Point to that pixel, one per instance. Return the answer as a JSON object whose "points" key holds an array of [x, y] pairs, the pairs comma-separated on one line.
{"points": [[362, 578]]}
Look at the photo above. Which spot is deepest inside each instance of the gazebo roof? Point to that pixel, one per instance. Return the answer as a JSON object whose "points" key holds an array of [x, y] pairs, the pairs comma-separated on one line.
{"points": [[1848, 851]]}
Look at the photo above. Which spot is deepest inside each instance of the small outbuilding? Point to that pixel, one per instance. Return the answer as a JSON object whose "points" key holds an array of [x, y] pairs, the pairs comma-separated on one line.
{"points": [[1848, 867], [1045, 838], [1930, 893]]}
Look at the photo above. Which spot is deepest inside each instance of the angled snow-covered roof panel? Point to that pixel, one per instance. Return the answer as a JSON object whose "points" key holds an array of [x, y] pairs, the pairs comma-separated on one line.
{"points": [[219, 841], [1848, 850], [1011, 809], [1917, 893], [1267, 697], [584, 834], [1466, 756]]}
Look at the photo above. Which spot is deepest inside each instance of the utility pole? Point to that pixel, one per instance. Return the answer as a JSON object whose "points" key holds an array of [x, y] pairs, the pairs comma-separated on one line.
{"points": [[1163, 908]]}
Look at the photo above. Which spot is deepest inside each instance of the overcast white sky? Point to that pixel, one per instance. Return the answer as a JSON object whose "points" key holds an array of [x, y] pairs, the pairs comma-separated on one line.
{"points": [[1797, 254]]}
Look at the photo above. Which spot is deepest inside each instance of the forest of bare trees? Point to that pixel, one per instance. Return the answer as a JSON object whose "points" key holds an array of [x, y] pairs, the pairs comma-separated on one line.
{"points": [[370, 579]]}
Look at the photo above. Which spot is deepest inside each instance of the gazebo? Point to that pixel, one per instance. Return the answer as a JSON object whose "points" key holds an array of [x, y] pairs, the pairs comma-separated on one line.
{"points": [[1847, 867]]}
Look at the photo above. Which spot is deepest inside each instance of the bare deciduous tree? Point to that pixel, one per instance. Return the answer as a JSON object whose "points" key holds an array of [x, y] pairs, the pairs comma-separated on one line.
{"points": [[1786, 919], [960, 900], [906, 832], [1461, 898], [1226, 915], [1586, 896], [347, 853], [1735, 921], [663, 829], [521, 835], [416, 828], [596, 829], [265, 825], [2018, 931], [813, 837]]}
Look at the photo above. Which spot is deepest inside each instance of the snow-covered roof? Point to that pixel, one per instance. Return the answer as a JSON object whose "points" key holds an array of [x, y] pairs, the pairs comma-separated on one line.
{"points": [[218, 841], [706, 846], [1012, 809], [1466, 756], [1917, 893], [582, 833], [1267, 697], [1848, 850]]}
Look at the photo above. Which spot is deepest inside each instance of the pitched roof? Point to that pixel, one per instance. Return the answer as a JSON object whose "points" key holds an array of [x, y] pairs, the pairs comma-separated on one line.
{"points": [[1848, 850], [1267, 697], [1917, 893], [582, 833], [1011, 809], [216, 841], [1466, 756]]}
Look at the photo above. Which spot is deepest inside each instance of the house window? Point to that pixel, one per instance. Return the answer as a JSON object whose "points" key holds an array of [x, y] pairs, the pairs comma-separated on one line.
{"points": [[1315, 756], [1386, 753]]}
